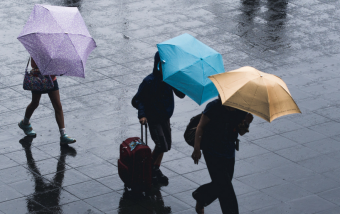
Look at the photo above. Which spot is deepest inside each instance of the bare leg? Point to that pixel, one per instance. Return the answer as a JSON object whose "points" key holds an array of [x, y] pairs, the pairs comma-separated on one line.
{"points": [[58, 109], [158, 159], [33, 105], [199, 208]]}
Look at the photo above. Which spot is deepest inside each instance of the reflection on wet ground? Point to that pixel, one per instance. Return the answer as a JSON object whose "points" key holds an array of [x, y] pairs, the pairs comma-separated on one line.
{"points": [[291, 165], [46, 194]]}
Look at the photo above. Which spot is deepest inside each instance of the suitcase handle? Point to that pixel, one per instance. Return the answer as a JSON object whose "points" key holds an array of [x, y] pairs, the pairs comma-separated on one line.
{"points": [[146, 133]]}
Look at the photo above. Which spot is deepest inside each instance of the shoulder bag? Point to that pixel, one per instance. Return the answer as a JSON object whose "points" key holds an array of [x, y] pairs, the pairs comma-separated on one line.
{"points": [[35, 81]]}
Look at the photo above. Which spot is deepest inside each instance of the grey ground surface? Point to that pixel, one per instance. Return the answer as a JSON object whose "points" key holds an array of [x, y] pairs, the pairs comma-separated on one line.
{"points": [[291, 165]]}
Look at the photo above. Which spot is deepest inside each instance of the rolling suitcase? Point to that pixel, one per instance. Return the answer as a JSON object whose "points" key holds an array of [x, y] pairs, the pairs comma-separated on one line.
{"points": [[135, 164]]}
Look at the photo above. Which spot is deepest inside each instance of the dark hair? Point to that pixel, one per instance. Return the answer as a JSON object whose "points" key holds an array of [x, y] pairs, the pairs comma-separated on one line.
{"points": [[157, 59], [33, 64]]}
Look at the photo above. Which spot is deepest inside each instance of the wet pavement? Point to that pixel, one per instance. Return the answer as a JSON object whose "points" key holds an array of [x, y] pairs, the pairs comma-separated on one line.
{"points": [[291, 165]]}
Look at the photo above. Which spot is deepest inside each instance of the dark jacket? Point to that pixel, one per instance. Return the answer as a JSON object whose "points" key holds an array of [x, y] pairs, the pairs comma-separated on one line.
{"points": [[155, 99], [221, 133]]}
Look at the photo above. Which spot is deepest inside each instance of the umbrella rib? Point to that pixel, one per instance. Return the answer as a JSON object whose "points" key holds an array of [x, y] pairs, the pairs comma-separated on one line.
{"points": [[253, 96], [218, 85], [290, 96], [52, 57], [54, 33], [267, 92]]}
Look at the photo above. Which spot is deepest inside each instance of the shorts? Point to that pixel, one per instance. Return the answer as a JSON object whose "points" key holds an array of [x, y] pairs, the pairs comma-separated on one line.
{"points": [[161, 134], [55, 88]]}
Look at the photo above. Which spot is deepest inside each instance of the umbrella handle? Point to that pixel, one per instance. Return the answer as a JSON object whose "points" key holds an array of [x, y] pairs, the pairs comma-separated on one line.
{"points": [[28, 63]]}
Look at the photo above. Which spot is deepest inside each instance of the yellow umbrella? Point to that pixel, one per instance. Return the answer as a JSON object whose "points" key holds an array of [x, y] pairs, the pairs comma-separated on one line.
{"points": [[259, 93]]}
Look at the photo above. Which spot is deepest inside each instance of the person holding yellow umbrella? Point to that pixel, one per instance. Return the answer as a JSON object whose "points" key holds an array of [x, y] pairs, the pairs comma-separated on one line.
{"points": [[242, 92]]}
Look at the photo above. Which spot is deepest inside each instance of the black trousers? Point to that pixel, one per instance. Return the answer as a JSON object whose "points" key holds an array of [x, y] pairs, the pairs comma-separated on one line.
{"points": [[221, 171]]}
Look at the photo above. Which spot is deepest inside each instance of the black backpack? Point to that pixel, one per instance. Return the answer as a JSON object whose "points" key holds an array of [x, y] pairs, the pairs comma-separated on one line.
{"points": [[190, 131]]}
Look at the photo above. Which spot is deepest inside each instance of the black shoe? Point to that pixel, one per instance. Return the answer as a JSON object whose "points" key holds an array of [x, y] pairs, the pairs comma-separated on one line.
{"points": [[154, 178], [161, 177], [199, 199]]}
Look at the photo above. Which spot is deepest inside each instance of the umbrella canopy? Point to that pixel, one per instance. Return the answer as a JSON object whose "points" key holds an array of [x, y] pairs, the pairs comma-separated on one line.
{"points": [[186, 65], [58, 40], [251, 90]]}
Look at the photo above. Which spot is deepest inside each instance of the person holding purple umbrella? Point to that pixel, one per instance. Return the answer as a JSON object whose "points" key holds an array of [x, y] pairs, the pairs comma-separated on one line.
{"points": [[58, 40], [26, 126]]}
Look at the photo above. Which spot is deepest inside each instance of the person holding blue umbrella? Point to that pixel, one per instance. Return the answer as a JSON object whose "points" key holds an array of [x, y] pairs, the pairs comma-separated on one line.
{"points": [[155, 103]]}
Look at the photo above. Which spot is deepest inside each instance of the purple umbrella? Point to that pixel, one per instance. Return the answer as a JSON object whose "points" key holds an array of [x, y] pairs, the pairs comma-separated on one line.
{"points": [[58, 40]]}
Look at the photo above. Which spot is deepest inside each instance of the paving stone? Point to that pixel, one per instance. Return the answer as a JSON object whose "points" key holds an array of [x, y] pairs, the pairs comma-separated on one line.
{"points": [[78, 207], [292, 172], [258, 133], [281, 208], [267, 161], [261, 180], [275, 142], [183, 165], [317, 183], [334, 210], [87, 189], [286, 192], [256, 200], [242, 188], [321, 163], [167, 204], [200, 177], [69, 177], [328, 145], [6, 162], [333, 174], [248, 149], [297, 153], [21, 156], [33, 185], [113, 182], [13, 174], [329, 129], [281, 125], [303, 135], [243, 167], [98, 170], [310, 204], [105, 202], [8, 193], [179, 184], [20, 205], [54, 198]]}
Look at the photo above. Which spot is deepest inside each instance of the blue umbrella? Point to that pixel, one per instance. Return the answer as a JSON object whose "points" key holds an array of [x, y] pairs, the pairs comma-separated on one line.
{"points": [[186, 65]]}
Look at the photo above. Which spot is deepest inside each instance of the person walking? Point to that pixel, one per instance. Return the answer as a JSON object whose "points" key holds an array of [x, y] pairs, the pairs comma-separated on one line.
{"points": [[217, 136], [155, 103], [25, 124]]}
